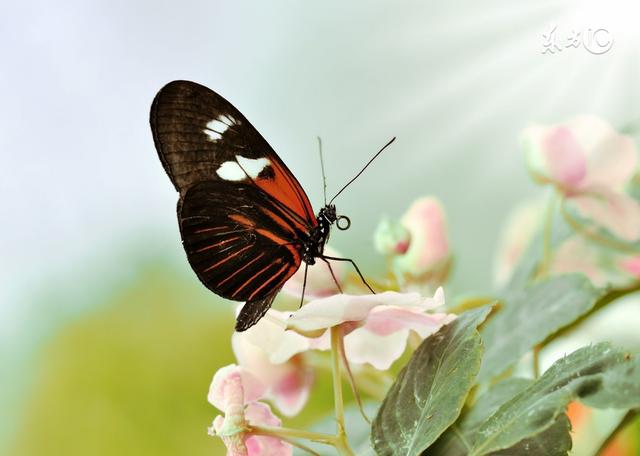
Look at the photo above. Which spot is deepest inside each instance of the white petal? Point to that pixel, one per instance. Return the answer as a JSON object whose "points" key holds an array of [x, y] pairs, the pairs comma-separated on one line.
{"points": [[363, 346]]}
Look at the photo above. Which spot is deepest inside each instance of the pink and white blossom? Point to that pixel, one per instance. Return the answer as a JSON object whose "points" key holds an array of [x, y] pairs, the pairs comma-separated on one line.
{"points": [[235, 392], [375, 327], [577, 254], [273, 354], [589, 163], [602, 265]]}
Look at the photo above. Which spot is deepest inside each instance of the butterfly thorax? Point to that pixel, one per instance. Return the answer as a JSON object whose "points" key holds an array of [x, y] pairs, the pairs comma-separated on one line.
{"points": [[319, 235]]}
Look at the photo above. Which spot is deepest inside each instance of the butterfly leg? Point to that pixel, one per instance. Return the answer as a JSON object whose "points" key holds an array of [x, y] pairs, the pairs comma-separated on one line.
{"points": [[332, 274], [304, 283], [325, 258]]}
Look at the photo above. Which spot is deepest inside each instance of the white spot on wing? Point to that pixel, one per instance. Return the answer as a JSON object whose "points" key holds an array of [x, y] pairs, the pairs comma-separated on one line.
{"points": [[231, 171], [213, 135], [253, 166], [216, 127], [228, 120], [238, 171]]}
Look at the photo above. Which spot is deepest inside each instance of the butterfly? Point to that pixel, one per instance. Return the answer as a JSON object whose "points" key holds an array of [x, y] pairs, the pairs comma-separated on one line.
{"points": [[246, 222]]}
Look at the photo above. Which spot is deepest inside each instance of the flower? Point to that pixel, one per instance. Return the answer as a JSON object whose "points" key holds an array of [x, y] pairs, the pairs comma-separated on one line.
{"points": [[320, 283], [235, 391], [265, 350], [418, 243], [578, 255], [376, 327], [601, 265], [589, 163]]}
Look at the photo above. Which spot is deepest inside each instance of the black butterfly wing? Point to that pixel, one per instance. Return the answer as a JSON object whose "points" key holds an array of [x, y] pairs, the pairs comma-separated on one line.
{"points": [[253, 311], [243, 215], [241, 244], [201, 137]]}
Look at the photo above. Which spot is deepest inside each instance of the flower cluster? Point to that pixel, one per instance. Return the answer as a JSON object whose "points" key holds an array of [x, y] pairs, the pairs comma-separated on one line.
{"points": [[275, 361], [589, 167], [589, 163]]}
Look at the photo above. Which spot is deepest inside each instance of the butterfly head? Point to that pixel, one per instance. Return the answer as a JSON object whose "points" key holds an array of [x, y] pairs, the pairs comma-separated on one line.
{"points": [[328, 215]]}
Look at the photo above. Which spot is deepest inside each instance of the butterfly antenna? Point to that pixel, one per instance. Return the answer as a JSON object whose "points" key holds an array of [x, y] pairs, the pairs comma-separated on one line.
{"points": [[324, 176], [365, 167]]}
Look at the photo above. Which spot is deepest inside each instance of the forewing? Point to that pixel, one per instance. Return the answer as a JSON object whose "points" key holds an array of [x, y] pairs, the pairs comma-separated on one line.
{"points": [[241, 245], [201, 137]]}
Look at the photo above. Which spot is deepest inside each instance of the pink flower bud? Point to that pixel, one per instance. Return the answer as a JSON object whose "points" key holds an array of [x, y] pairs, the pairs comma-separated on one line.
{"points": [[418, 243], [234, 385], [235, 392], [391, 238], [429, 245]]}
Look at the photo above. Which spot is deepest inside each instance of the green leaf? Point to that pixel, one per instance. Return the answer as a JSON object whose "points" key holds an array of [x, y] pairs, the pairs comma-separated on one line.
{"points": [[585, 374], [553, 441], [430, 391], [529, 316], [620, 386], [489, 402], [457, 441]]}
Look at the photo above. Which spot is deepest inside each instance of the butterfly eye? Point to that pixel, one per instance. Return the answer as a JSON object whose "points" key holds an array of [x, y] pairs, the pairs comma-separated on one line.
{"points": [[343, 223]]}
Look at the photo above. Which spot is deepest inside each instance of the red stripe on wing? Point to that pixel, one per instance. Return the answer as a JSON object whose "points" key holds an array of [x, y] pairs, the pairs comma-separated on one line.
{"points": [[271, 279]]}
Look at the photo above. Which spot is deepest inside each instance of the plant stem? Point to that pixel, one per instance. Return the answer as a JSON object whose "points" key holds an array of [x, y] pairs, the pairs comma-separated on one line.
{"points": [[536, 361], [624, 422], [289, 433], [337, 377], [546, 240], [302, 447], [372, 382], [349, 376], [341, 443]]}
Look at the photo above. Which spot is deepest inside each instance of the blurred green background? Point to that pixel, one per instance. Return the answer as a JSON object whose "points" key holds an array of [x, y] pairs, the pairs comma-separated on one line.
{"points": [[107, 340]]}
